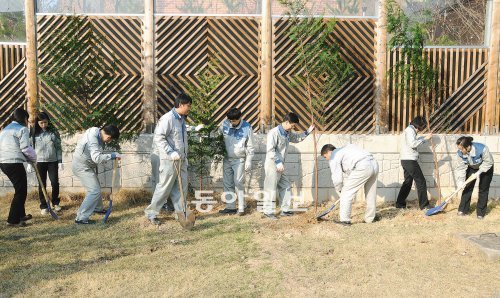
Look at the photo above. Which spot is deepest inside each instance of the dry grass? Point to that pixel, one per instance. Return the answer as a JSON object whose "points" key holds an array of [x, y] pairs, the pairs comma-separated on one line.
{"points": [[403, 254]]}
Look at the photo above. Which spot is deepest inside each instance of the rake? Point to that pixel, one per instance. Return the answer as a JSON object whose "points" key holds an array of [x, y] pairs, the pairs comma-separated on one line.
{"points": [[441, 207], [110, 207], [52, 213], [186, 219], [322, 214]]}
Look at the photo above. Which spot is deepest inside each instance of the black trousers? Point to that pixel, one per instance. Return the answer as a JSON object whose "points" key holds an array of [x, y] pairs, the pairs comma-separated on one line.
{"points": [[52, 168], [484, 189], [17, 175], [412, 172]]}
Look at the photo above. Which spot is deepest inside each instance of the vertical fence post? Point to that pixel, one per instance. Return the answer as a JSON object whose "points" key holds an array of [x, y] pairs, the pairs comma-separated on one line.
{"points": [[149, 93], [31, 68], [491, 118], [266, 65], [381, 111]]}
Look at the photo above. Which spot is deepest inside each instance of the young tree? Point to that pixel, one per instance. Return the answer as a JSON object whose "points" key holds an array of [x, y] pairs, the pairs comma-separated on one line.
{"points": [[322, 71], [416, 73], [205, 145]]}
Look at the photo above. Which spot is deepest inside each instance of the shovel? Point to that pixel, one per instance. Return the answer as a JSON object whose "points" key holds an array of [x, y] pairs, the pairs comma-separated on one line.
{"points": [[185, 218], [110, 207], [320, 216], [441, 207], [52, 213]]}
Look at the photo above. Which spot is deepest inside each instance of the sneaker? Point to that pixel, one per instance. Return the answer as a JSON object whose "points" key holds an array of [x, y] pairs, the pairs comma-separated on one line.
{"points": [[57, 208], [401, 207], [44, 211], [228, 211], [286, 213], [103, 211], [480, 217], [20, 224], [460, 213], [155, 221], [271, 216], [83, 222], [27, 217]]}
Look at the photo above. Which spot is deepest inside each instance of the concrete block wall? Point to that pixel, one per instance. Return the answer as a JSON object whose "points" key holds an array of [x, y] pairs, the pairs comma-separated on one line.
{"points": [[135, 170]]}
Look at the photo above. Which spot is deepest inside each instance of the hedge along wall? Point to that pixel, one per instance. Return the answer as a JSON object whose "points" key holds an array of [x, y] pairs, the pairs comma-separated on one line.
{"points": [[135, 170]]}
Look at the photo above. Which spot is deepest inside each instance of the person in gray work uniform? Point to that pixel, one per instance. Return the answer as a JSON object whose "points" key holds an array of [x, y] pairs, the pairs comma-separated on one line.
{"points": [[15, 150], [47, 143], [362, 171], [474, 159], [88, 154], [278, 140], [170, 137], [238, 139]]}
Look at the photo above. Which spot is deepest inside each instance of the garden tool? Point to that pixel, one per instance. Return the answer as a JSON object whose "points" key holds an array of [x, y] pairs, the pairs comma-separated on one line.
{"points": [[327, 210], [52, 213], [110, 207], [186, 218], [441, 207]]}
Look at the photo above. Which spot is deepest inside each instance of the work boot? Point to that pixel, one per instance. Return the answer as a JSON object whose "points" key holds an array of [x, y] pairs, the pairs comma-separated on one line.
{"points": [[343, 223], [167, 207], [27, 217], [228, 211], [17, 225], [286, 213], [155, 221], [84, 222], [271, 216]]}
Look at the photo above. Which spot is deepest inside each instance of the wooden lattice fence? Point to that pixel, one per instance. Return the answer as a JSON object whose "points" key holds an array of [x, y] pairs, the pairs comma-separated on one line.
{"points": [[122, 41], [12, 80], [458, 98], [353, 108], [184, 44]]}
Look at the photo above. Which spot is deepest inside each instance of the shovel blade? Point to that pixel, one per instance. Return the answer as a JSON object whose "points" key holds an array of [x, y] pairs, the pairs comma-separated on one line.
{"points": [[108, 212], [435, 210], [187, 222], [52, 213], [320, 216]]}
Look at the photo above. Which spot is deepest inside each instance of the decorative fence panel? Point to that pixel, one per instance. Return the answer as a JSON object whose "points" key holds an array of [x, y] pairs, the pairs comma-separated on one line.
{"points": [[353, 108], [184, 45], [12, 80], [458, 98], [122, 42]]}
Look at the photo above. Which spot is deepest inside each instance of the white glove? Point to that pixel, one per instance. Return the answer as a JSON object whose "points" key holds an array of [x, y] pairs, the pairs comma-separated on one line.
{"points": [[248, 165], [310, 129], [199, 127], [61, 167], [29, 168], [117, 155], [175, 156], [477, 174], [280, 167]]}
